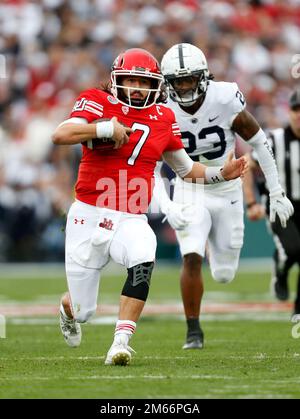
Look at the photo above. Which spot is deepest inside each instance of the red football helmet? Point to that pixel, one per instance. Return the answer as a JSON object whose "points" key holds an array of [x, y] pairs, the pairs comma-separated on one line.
{"points": [[136, 62]]}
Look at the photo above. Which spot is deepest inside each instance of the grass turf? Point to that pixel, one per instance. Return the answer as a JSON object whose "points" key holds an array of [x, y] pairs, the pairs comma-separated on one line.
{"points": [[241, 358], [164, 287]]}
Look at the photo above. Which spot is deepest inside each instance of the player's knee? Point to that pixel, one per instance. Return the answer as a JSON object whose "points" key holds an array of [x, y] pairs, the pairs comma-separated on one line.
{"points": [[192, 263], [83, 315], [143, 249], [224, 275], [138, 281]]}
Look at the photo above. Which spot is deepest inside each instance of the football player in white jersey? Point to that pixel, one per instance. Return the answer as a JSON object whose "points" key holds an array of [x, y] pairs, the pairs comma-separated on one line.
{"points": [[209, 114]]}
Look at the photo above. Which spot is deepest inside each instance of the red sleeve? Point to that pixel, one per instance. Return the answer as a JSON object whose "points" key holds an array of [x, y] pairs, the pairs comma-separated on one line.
{"points": [[88, 105], [175, 142]]}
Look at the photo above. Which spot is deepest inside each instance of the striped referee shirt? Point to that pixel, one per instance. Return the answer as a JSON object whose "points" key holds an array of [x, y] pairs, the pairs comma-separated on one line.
{"points": [[286, 148]]}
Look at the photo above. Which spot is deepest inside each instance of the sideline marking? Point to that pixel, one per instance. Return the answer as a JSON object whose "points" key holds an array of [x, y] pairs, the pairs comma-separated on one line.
{"points": [[31, 309]]}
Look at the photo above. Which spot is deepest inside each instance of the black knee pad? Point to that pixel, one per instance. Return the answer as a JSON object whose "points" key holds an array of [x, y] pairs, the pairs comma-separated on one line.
{"points": [[138, 281]]}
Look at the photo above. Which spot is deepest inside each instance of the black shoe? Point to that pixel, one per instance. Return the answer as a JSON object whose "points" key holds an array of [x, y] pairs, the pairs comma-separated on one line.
{"points": [[194, 340], [280, 288], [279, 284]]}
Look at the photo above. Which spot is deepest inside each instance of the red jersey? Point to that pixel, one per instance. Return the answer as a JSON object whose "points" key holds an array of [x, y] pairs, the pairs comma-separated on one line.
{"points": [[122, 179]]}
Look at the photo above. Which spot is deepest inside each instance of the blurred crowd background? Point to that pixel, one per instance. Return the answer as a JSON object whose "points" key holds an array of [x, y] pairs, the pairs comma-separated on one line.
{"points": [[54, 49]]}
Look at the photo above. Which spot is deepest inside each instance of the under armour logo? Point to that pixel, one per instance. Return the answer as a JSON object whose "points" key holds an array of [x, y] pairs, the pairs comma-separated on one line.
{"points": [[125, 110], [153, 117], [76, 221], [107, 224]]}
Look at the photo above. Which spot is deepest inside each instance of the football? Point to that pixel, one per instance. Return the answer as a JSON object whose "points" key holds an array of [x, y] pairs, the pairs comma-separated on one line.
{"points": [[99, 143]]}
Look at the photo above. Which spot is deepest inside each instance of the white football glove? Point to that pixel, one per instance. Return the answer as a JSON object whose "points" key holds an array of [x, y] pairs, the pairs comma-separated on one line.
{"points": [[179, 215], [282, 206]]}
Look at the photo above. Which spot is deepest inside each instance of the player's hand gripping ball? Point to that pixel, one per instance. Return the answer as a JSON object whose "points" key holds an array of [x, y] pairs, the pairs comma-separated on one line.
{"points": [[99, 143]]}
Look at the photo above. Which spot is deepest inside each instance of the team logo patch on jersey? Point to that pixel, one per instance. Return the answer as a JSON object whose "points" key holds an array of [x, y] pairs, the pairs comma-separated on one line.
{"points": [[91, 106], [79, 105], [107, 224], [112, 100], [125, 110]]}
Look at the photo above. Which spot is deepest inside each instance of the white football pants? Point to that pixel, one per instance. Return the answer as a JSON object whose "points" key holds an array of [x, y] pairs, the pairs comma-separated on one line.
{"points": [[93, 237], [219, 223]]}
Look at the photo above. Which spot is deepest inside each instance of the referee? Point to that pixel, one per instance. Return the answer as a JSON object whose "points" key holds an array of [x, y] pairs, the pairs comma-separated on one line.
{"points": [[286, 148]]}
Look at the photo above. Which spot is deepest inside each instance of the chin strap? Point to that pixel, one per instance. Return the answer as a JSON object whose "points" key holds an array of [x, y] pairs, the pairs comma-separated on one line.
{"points": [[188, 104]]}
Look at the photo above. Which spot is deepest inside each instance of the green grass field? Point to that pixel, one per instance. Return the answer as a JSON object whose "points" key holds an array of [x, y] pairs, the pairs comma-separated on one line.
{"points": [[247, 354]]}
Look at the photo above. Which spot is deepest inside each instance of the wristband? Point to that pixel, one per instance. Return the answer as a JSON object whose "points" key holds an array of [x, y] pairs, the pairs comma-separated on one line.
{"points": [[275, 192], [213, 175], [104, 129]]}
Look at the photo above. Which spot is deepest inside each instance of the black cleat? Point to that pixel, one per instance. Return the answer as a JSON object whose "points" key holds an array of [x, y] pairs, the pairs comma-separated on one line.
{"points": [[194, 340], [280, 288], [279, 283]]}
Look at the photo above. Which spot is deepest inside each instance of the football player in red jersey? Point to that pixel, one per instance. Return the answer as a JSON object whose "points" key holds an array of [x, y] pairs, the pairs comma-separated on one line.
{"points": [[114, 188]]}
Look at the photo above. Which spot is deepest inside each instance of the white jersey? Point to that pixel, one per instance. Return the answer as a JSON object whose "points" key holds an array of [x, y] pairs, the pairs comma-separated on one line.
{"points": [[207, 135]]}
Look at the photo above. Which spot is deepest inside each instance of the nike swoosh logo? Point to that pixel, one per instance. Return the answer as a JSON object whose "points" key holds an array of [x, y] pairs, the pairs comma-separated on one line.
{"points": [[212, 119], [234, 202]]}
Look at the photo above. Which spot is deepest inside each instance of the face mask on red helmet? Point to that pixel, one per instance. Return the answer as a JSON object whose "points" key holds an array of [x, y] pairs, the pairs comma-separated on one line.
{"points": [[136, 62]]}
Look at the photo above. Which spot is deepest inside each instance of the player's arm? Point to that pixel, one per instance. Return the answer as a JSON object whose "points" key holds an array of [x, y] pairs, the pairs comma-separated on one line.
{"points": [[248, 128], [178, 215], [255, 210], [77, 130], [187, 169]]}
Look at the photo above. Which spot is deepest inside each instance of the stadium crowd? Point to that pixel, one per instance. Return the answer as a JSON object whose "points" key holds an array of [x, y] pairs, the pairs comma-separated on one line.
{"points": [[54, 49]]}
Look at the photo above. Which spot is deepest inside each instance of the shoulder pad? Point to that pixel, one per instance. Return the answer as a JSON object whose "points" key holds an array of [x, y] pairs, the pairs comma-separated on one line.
{"points": [[224, 91]]}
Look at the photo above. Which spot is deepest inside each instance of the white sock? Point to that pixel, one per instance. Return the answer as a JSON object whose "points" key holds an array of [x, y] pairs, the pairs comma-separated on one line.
{"points": [[123, 331]]}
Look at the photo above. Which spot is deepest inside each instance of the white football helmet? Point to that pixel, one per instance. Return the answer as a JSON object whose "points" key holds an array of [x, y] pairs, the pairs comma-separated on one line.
{"points": [[185, 60]]}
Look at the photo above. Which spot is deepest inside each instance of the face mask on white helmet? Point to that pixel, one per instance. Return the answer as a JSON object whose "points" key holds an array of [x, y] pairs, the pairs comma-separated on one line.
{"points": [[185, 60]]}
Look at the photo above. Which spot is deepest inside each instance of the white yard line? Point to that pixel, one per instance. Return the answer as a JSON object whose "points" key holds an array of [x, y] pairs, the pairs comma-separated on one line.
{"points": [[101, 357], [124, 377]]}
